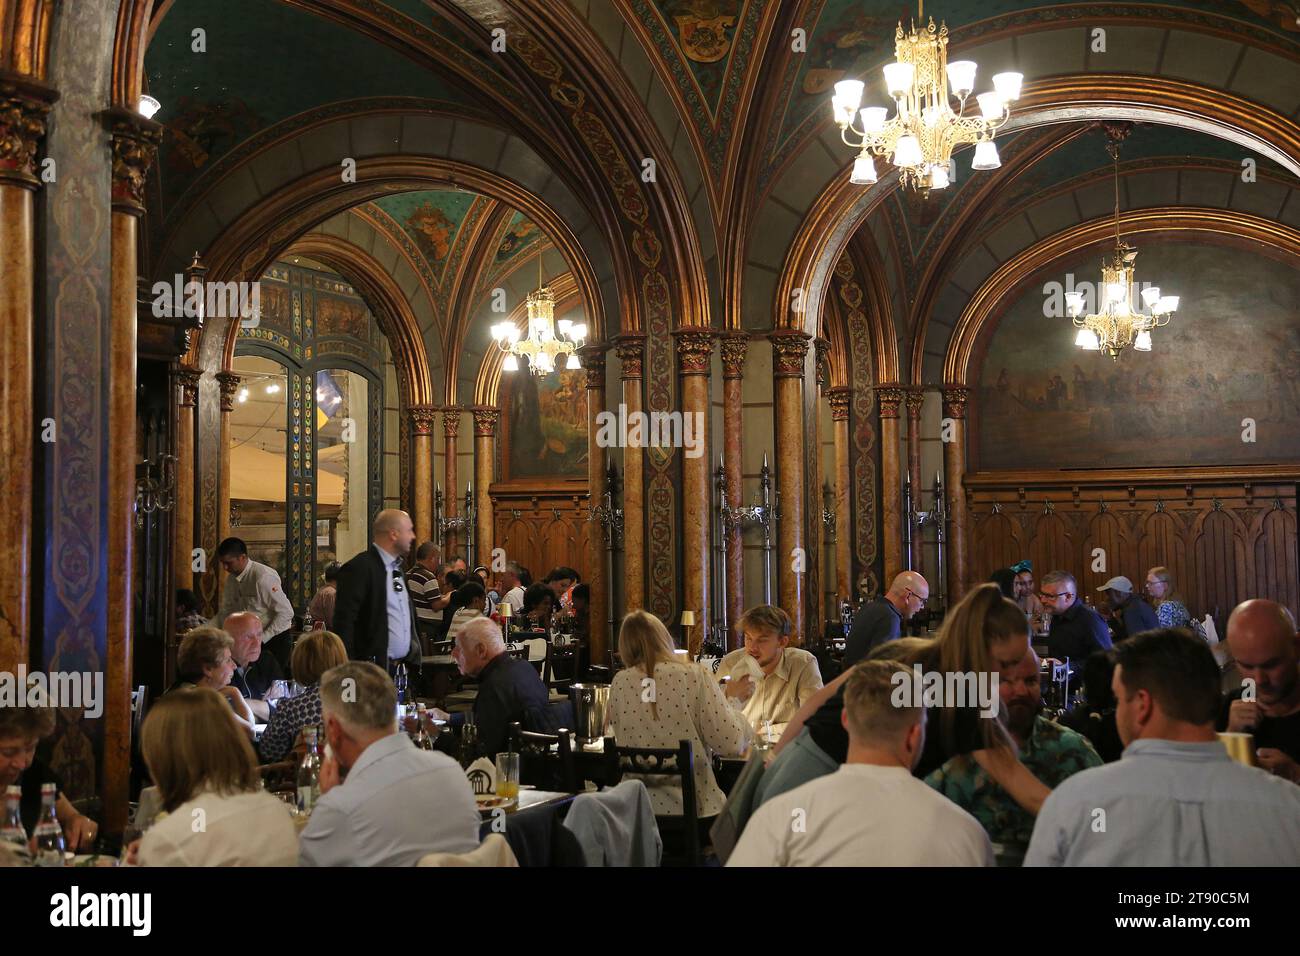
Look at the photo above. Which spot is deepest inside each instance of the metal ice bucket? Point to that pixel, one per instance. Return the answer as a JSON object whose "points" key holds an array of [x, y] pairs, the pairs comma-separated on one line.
{"points": [[590, 702]]}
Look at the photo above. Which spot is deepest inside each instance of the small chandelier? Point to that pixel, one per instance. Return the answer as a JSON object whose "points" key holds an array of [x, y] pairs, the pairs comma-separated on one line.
{"points": [[920, 137], [1119, 322], [541, 346]]}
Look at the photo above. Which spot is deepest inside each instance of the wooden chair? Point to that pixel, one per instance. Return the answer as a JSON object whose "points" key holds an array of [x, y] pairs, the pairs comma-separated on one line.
{"points": [[541, 766], [561, 666], [681, 834], [438, 648]]}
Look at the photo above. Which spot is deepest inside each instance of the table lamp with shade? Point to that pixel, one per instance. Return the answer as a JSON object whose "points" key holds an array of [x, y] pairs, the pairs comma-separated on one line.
{"points": [[507, 612], [687, 622]]}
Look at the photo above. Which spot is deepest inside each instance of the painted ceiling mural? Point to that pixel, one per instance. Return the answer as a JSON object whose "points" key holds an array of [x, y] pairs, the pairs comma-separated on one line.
{"points": [[242, 81]]}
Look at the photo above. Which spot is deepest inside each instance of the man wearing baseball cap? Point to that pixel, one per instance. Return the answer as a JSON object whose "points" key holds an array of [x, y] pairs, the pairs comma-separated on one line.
{"points": [[1129, 614]]}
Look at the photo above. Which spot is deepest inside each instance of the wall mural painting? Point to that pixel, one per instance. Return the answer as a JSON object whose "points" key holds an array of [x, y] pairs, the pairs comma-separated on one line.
{"points": [[520, 233], [547, 425], [1231, 354]]}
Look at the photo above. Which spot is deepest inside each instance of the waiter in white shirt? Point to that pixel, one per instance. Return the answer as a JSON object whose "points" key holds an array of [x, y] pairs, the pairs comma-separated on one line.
{"points": [[253, 587]]}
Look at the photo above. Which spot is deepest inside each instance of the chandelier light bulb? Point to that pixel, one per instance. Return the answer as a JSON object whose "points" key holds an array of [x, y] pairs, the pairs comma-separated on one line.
{"points": [[1167, 303], [579, 332], [1151, 296], [991, 105], [908, 152], [573, 363], [938, 177], [849, 94], [1142, 341], [1087, 340], [148, 106], [1116, 292], [1074, 302], [986, 156], [511, 364], [1008, 85], [898, 78], [864, 169], [873, 119], [243, 395], [961, 77], [843, 111], [564, 325], [272, 389]]}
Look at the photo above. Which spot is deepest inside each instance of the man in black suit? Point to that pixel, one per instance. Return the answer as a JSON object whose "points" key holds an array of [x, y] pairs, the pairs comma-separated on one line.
{"points": [[373, 612]]}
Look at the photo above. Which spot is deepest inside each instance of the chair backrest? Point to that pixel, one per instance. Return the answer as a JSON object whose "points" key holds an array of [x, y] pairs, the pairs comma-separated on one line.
{"points": [[561, 665], [518, 652], [493, 851], [666, 761], [139, 704], [442, 647], [541, 766]]}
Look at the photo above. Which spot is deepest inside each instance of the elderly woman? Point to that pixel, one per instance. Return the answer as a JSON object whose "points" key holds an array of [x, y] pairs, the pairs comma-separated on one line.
{"points": [[205, 659], [313, 655], [21, 728], [1170, 610], [205, 771]]}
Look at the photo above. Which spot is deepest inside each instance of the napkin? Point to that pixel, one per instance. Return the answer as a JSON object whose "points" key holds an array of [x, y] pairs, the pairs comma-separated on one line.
{"points": [[748, 665], [487, 766]]}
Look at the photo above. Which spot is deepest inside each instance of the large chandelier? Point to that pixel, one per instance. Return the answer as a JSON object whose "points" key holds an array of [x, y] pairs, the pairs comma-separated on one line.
{"points": [[921, 135], [1120, 321], [541, 346]]}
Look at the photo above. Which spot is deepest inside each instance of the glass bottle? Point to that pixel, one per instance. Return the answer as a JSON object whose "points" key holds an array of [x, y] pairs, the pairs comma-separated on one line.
{"points": [[422, 739], [14, 834], [50, 845], [309, 775], [468, 742], [399, 681]]}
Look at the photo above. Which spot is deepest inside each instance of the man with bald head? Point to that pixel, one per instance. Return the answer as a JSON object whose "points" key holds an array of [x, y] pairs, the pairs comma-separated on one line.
{"points": [[1263, 640], [882, 620], [255, 672], [374, 613]]}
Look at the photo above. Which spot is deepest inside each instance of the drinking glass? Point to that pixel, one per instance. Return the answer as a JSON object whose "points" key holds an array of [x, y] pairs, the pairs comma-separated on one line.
{"points": [[508, 775]]}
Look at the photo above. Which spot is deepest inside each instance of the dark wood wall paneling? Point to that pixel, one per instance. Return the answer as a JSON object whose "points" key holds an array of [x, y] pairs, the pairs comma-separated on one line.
{"points": [[1224, 536], [542, 527]]}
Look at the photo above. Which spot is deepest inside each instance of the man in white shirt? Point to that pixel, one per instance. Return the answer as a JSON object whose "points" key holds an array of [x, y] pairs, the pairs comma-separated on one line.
{"points": [[872, 811], [773, 680], [512, 587], [254, 587], [398, 803]]}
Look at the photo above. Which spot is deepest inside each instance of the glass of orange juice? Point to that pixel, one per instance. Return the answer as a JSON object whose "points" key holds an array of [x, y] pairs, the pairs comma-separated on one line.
{"points": [[508, 775]]}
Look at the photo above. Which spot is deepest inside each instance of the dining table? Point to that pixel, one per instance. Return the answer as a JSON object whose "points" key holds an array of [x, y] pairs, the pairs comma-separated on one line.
{"points": [[534, 828]]}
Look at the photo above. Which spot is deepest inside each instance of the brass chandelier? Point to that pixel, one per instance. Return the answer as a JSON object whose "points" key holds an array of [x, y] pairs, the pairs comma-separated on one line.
{"points": [[541, 346], [1119, 322], [920, 137]]}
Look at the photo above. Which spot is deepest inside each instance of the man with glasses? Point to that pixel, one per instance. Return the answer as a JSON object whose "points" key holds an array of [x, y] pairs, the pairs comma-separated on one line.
{"points": [[1077, 630], [374, 613], [882, 620]]}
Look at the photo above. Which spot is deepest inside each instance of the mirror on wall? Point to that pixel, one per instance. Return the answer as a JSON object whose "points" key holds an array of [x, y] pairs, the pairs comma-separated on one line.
{"points": [[258, 431], [342, 459]]}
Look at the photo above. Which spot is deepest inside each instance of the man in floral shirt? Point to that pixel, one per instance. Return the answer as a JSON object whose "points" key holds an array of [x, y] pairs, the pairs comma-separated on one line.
{"points": [[1050, 752]]}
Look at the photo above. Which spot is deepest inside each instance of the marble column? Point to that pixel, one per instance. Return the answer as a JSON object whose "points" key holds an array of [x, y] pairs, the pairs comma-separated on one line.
{"points": [[134, 141], [817, 532], [955, 398], [915, 399], [450, 491], [421, 420], [790, 351], [23, 108], [186, 386], [486, 420], [596, 574], [890, 397], [841, 399], [631, 353], [694, 364], [734, 347]]}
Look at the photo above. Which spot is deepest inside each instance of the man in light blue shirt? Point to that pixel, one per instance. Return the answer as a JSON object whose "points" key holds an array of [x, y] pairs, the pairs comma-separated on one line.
{"points": [[398, 803], [1175, 798]]}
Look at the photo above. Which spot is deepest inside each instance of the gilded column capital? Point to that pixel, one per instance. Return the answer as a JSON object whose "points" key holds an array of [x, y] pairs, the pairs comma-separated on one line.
{"points": [[823, 349], [229, 383], [915, 398], [631, 352], [135, 143], [734, 347], [592, 356], [694, 350], [422, 418], [890, 397], [486, 419], [24, 105], [841, 397], [790, 350], [450, 421], [187, 376], [955, 398]]}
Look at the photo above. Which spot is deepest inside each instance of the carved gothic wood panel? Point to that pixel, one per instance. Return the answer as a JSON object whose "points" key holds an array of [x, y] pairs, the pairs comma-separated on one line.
{"points": [[541, 529]]}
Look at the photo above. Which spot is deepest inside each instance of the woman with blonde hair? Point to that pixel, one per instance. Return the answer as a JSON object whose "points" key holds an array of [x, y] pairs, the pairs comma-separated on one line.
{"points": [[1170, 609], [657, 701], [314, 654], [207, 779]]}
